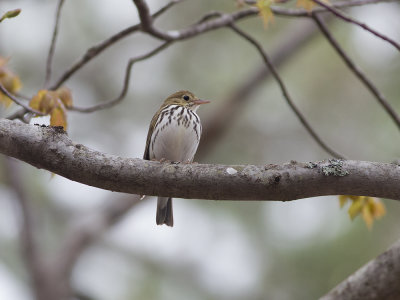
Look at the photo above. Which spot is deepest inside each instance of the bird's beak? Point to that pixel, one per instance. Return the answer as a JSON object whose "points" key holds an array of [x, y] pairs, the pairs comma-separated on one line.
{"points": [[199, 101]]}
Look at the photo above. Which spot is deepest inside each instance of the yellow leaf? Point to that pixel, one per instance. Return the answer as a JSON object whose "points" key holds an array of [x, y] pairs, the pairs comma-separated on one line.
{"points": [[66, 96], [10, 82], [367, 216], [58, 117], [48, 102], [264, 7], [378, 209], [356, 207], [36, 100]]}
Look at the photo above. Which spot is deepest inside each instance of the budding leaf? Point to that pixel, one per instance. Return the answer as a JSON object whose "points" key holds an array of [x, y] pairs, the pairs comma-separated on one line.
{"points": [[10, 14], [264, 7], [53, 103], [58, 117]]}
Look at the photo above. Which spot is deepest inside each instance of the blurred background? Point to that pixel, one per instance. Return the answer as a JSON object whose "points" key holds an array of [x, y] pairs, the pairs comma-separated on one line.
{"points": [[217, 249]]}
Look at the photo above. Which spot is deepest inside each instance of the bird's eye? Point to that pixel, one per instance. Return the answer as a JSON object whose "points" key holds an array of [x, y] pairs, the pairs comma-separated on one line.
{"points": [[186, 97]]}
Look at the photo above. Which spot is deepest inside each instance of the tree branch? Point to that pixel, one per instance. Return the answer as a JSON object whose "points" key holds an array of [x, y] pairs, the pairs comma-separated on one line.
{"points": [[357, 71], [227, 19], [285, 91], [51, 149], [348, 19], [95, 50], [379, 279], [125, 85], [294, 38], [17, 101]]}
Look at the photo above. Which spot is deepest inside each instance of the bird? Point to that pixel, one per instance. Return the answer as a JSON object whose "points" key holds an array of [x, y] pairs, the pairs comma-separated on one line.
{"points": [[174, 135]]}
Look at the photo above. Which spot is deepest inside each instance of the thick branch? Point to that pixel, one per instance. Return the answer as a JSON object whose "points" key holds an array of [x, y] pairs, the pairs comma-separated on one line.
{"points": [[379, 279], [51, 149]]}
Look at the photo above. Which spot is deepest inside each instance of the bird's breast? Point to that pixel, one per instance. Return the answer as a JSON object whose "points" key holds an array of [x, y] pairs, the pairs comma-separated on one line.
{"points": [[176, 134]]}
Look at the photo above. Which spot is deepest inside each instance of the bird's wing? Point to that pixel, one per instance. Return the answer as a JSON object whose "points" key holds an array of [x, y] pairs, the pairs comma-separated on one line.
{"points": [[153, 122]]}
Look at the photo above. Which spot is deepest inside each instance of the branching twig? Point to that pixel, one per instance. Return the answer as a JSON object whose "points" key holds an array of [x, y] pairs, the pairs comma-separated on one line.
{"points": [[19, 102], [146, 21], [93, 51], [53, 44], [346, 18], [196, 29], [125, 86], [285, 92], [357, 71], [227, 19]]}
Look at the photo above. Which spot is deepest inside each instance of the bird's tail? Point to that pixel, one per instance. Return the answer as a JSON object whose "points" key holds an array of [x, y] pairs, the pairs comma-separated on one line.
{"points": [[164, 211]]}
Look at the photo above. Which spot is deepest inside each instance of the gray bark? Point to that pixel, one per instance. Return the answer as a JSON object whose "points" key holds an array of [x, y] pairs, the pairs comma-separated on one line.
{"points": [[379, 279], [50, 148]]}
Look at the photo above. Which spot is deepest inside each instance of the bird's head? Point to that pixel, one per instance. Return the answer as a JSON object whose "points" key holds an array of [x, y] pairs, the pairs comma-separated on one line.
{"points": [[186, 99]]}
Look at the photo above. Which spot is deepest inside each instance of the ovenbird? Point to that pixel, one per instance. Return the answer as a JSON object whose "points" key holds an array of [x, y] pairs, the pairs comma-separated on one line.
{"points": [[174, 135]]}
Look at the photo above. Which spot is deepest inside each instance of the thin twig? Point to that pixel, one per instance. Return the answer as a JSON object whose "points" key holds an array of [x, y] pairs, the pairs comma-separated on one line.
{"points": [[293, 39], [285, 92], [95, 50], [357, 71], [53, 44], [347, 18], [191, 31], [19, 102], [125, 86]]}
